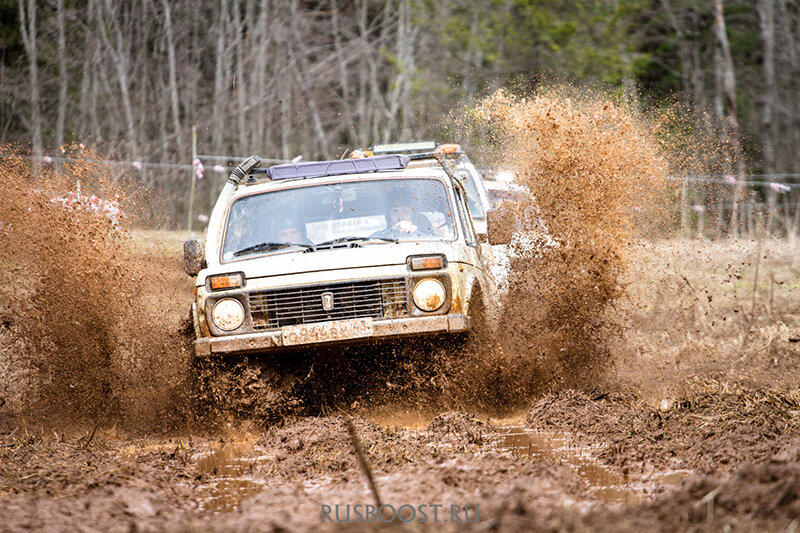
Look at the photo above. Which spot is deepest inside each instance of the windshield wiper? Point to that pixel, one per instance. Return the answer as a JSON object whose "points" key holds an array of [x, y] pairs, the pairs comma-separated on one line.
{"points": [[269, 246], [354, 239]]}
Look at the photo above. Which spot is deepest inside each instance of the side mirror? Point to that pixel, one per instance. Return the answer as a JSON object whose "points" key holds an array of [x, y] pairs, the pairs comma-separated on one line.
{"points": [[500, 226], [193, 261]]}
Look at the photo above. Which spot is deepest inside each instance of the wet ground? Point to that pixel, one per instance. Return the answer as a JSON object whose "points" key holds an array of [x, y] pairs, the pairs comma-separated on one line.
{"points": [[501, 477], [695, 428]]}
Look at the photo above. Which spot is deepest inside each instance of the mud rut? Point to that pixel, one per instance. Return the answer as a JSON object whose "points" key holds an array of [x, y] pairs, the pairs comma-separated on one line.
{"points": [[612, 464]]}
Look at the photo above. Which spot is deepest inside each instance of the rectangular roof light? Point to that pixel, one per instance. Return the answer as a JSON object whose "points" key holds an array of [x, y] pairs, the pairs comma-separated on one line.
{"points": [[317, 169], [415, 146]]}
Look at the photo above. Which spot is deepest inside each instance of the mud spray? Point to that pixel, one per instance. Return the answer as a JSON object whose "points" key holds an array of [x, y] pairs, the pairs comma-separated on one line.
{"points": [[84, 335], [597, 171], [597, 175]]}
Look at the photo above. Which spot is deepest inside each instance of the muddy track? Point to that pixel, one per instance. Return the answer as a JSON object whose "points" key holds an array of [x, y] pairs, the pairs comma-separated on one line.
{"points": [[518, 478], [699, 439]]}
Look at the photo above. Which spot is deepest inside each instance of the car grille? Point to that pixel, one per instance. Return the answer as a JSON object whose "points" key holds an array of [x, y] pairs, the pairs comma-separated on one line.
{"points": [[275, 308]]}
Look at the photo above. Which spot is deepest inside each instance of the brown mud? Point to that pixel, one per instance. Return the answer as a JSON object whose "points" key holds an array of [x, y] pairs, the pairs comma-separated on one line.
{"points": [[639, 382], [684, 436], [282, 478], [89, 334]]}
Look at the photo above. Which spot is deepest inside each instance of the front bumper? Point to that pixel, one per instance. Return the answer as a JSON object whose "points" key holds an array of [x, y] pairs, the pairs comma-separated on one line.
{"points": [[382, 329]]}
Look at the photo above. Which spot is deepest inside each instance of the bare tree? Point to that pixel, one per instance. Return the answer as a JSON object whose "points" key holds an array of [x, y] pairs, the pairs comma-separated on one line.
{"points": [[766, 15], [29, 41], [731, 114], [62, 73], [173, 80], [791, 109], [119, 55], [770, 98]]}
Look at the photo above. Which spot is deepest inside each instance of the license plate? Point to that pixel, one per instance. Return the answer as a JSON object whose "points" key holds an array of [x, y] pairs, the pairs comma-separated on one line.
{"points": [[327, 331]]}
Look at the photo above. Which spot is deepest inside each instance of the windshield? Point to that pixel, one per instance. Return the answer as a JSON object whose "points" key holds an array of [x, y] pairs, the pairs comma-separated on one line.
{"points": [[350, 213]]}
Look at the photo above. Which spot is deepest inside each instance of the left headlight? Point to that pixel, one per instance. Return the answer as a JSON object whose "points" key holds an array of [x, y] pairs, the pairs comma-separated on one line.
{"points": [[429, 294], [228, 314]]}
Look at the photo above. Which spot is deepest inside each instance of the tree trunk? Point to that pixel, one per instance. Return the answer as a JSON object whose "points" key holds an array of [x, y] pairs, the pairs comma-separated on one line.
{"points": [[343, 77], [691, 70], [62, 74], [788, 46], [239, 82], [29, 40], [220, 81], [258, 97], [286, 119], [173, 82], [770, 100], [119, 56], [732, 118], [300, 70]]}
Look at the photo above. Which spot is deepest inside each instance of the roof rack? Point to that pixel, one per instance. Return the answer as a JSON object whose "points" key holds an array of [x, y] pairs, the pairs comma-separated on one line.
{"points": [[415, 151], [318, 169]]}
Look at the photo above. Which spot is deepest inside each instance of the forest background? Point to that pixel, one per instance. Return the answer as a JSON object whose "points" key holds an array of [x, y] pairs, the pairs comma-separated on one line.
{"points": [[133, 79]]}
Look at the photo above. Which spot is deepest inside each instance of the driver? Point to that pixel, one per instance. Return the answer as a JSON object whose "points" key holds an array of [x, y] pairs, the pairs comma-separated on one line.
{"points": [[402, 216], [290, 231]]}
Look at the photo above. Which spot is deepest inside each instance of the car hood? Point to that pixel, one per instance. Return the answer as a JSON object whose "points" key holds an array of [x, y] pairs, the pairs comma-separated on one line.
{"points": [[297, 262]]}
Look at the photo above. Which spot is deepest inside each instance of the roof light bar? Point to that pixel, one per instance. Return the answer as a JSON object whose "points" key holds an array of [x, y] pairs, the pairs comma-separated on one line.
{"points": [[415, 146], [317, 169]]}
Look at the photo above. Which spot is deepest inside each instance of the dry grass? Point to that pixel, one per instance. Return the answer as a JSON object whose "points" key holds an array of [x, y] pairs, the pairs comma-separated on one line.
{"points": [[725, 310]]}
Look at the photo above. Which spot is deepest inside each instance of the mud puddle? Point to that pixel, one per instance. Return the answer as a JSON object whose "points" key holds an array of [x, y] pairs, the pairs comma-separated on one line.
{"points": [[229, 472], [606, 485]]}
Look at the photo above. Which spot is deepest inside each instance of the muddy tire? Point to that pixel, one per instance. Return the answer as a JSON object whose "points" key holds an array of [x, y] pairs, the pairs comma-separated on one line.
{"points": [[480, 331]]}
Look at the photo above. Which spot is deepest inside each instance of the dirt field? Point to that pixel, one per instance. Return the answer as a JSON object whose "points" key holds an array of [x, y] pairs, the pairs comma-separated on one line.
{"points": [[695, 427]]}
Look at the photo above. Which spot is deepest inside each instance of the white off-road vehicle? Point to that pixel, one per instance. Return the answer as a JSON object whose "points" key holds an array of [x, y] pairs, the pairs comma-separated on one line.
{"points": [[350, 251]]}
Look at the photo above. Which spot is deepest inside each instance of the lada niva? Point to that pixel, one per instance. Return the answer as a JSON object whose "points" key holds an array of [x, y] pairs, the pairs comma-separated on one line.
{"points": [[349, 251]]}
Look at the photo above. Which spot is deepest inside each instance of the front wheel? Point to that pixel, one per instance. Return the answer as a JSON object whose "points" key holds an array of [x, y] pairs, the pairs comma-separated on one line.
{"points": [[481, 330]]}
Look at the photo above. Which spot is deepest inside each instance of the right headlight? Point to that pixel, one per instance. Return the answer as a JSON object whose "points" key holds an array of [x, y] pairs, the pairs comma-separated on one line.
{"points": [[228, 314], [429, 294]]}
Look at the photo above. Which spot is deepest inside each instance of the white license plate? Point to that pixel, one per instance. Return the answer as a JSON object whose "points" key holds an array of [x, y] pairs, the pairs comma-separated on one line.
{"points": [[327, 331]]}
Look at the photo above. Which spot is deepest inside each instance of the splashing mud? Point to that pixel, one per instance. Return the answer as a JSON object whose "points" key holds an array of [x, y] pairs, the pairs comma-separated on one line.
{"points": [[85, 332], [597, 174], [96, 341], [596, 170]]}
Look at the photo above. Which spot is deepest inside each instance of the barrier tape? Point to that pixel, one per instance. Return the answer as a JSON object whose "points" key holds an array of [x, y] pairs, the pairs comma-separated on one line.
{"points": [[199, 171]]}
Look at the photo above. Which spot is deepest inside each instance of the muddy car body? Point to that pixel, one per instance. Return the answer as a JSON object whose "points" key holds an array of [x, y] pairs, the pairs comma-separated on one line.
{"points": [[307, 254]]}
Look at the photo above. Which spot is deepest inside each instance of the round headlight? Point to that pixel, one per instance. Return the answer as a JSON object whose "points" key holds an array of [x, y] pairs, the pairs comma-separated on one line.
{"points": [[429, 294], [228, 314]]}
